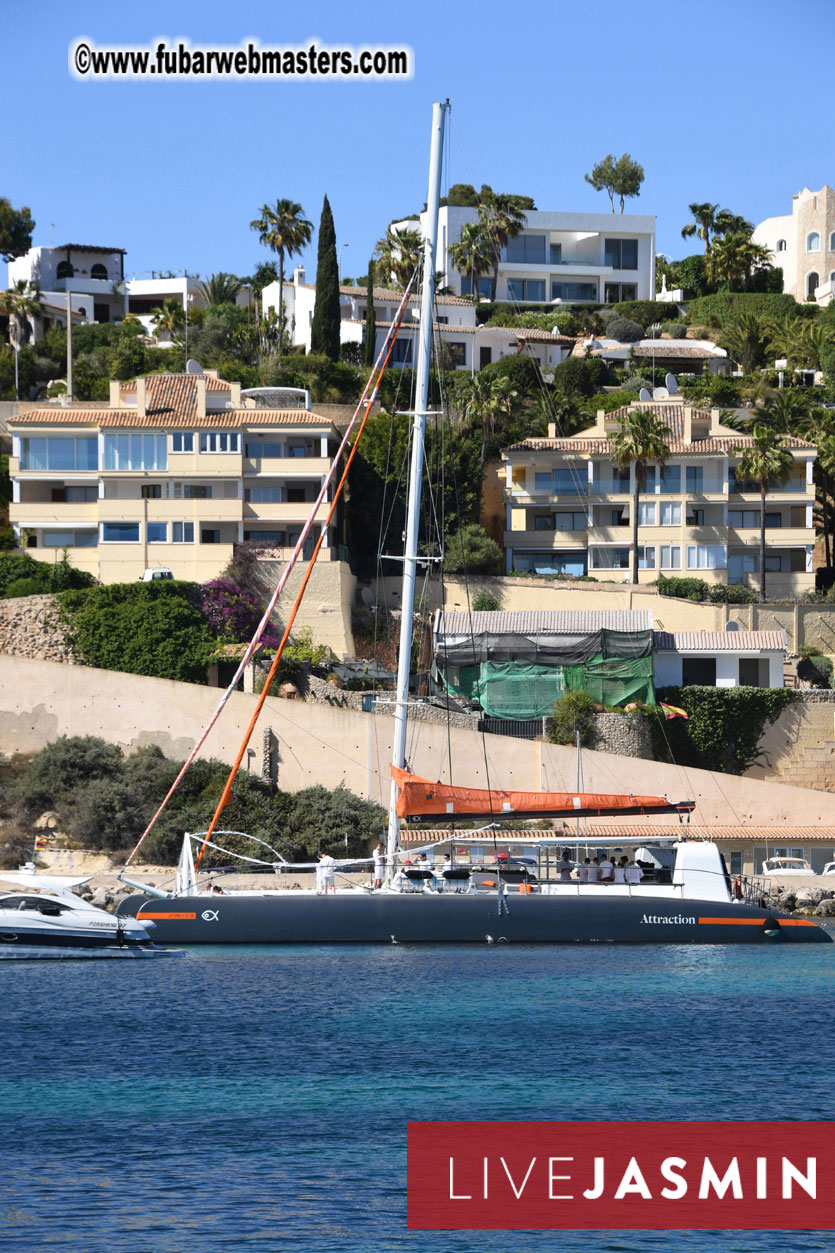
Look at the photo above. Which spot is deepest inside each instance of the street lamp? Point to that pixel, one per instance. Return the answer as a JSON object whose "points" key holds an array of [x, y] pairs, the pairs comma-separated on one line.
{"points": [[339, 259]]}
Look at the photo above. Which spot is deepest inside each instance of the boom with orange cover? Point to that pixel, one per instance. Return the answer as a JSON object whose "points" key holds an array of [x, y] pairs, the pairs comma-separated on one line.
{"points": [[421, 800]]}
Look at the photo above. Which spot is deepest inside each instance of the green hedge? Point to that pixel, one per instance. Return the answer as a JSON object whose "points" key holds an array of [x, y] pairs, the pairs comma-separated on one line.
{"points": [[724, 726], [725, 306], [645, 312], [699, 590]]}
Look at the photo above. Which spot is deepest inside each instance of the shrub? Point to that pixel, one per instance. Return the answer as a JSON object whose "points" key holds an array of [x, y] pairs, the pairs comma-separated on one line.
{"points": [[633, 384], [815, 669], [678, 329], [599, 372], [65, 764], [8, 539], [645, 312], [691, 276], [233, 612], [624, 331], [725, 306], [724, 728], [573, 377], [523, 373], [470, 550], [699, 590], [573, 712], [485, 602]]}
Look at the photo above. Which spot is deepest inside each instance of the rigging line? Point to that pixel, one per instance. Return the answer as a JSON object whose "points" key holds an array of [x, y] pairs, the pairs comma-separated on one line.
{"points": [[370, 393], [227, 791]]}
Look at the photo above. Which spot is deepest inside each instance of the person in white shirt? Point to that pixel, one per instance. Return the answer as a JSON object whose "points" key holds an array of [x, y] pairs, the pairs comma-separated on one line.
{"points": [[565, 866], [620, 871], [379, 865], [584, 870], [593, 871], [634, 873], [325, 873], [606, 869]]}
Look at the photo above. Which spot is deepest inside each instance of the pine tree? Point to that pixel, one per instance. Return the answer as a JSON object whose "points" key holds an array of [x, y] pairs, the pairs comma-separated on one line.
{"points": [[370, 317], [324, 336]]}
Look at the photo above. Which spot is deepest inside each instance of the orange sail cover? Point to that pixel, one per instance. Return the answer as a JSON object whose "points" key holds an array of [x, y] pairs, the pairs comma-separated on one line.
{"points": [[421, 800]]}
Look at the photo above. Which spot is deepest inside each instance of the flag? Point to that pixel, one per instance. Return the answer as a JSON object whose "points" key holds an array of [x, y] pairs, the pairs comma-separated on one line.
{"points": [[40, 843], [673, 711]]}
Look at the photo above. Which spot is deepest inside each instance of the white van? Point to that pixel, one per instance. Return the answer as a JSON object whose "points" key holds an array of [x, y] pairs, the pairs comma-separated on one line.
{"points": [[159, 572]]}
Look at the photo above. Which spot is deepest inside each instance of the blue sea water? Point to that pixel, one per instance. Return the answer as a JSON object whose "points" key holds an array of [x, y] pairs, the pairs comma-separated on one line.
{"points": [[257, 1098]]}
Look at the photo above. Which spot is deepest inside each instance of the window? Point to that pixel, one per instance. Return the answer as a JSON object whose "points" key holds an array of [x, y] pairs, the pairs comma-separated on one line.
{"points": [[812, 281], [157, 532], [546, 524], [263, 495], [739, 486], [53, 453], [570, 521], [182, 441], [197, 491], [646, 514], [617, 517], [698, 672], [571, 481], [621, 254], [528, 249], [296, 495], [695, 517], [744, 519], [832, 242], [65, 270], [135, 452], [610, 558], [151, 491], [706, 557], [813, 242], [210, 536], [671, 480], [646, 558], [457, 352], [219, 441], [573, 291], [120, 532], [555, 254], [773, 519], [753, 672], [182, 532], [669, 557], [781, 245], [694, 479], [670, 513], [80, 495], [527, 289], [620, 479], [543, 481], [615, 292], [401, 355], [484, 286], [98, 271], [70, 539]]}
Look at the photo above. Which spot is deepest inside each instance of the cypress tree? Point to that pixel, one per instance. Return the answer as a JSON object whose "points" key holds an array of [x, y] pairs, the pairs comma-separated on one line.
{"points": [[370, 317], [324, 335]]}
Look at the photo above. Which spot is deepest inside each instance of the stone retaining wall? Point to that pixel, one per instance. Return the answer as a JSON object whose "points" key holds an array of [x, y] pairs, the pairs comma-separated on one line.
{"points": [[30, 627], [627, 735]]}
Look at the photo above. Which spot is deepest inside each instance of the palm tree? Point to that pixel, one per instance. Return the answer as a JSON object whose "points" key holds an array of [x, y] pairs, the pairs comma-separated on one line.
{"points": [[785, 410], [500, 219], [169, 319], [640, 439], [704, 224], [400, 253], [728, 223], [19, 304], [767, 462], [282, 228], [747, 339], [220, 289], [733, 258], [473, 255], [802, 343], [485, 397]]}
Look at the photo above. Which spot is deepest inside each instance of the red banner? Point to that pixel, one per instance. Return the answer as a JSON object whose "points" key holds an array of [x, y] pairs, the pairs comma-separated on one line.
{"points": [[621, 1175]]}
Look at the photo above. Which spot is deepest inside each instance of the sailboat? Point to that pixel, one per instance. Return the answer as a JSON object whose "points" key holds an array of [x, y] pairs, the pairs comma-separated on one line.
{"points": [[686, 896]]}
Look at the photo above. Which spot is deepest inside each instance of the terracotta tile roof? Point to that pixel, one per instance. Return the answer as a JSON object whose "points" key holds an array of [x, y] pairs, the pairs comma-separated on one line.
{"points": [[174, 393], [719, 641], [678, 448], [128, 419], [535, 335], [391, 293], [511, 332], [664, 349], [552, 621]]}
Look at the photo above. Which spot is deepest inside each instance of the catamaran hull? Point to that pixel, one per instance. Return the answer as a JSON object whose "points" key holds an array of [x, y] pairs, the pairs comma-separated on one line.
{"points": [[462, 918]]}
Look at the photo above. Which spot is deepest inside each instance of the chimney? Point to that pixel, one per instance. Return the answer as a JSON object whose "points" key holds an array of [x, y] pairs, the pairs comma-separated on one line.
{"points": [[299, 276], [201, 395], [714, 421], [234, 395], [688, 424], [141, 402], [115, 394], [600, 424], [552, 430]]}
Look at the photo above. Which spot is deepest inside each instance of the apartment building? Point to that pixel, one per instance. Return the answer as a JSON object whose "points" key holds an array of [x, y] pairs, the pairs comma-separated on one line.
{"points": [[568, 507], [468, 346], [803, 245], [175, 471], [558, 258], [92, 273]]}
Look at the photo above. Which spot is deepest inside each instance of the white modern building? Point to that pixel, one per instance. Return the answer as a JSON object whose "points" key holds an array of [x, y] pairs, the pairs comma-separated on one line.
{"points": [[729, 658], [803, 244], [558, 258], [95, 276], [470, 347]]}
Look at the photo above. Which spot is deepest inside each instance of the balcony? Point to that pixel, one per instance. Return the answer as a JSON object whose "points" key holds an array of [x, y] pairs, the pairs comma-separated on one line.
{"points": [[54, 513], [288, 467], [115, 510], [775, 537], [546, 540], [285, 512]]}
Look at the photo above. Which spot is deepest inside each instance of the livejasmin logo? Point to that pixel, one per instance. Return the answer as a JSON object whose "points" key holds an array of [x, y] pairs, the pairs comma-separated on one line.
{"points": [[621, 1175]]}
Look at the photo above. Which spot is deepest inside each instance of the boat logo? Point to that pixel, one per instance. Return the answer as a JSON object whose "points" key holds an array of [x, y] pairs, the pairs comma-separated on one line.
{"points": [[209, 915]]}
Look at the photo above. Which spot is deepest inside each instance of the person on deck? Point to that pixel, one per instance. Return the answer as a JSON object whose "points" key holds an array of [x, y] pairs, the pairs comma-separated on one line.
{"points": [[593, 870], [325, 873], [620, 868], [379, 865], [565, 866], [634, 873], [607, 869]]}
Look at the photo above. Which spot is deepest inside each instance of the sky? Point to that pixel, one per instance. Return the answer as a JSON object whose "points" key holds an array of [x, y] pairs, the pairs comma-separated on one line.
{"points": [[728, 102]]}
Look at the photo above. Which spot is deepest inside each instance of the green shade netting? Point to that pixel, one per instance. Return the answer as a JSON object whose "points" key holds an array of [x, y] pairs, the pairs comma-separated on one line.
{"points": [[613, 681], [510, 690]]}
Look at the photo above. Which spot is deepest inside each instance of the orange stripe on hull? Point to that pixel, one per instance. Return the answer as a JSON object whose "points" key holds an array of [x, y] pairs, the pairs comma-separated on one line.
{"points": [[179, 916], [733, 922]]}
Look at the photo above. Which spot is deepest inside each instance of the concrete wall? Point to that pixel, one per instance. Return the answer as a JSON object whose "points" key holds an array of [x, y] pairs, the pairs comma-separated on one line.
{"points": [[40, 700], [799, 748]]}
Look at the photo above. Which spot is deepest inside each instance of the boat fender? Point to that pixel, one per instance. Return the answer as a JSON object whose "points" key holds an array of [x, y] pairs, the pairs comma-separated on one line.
{"points": [[525, 887], [771, 929], [488, 883]]}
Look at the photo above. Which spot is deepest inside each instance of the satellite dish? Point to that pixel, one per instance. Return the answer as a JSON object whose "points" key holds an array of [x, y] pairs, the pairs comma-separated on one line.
{"points": [[671, 383], [193, 367], [660, 393], [644, 394]]}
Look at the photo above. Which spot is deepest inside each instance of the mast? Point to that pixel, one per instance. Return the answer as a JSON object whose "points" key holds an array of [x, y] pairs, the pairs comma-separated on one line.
{"points": [[398, 755]]}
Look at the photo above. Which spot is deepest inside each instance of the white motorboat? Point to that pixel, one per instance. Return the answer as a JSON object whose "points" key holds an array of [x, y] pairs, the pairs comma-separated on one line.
{"points": [[42, 919]]}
